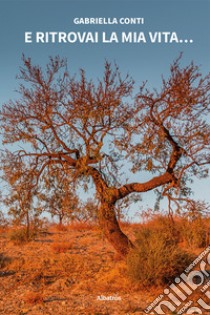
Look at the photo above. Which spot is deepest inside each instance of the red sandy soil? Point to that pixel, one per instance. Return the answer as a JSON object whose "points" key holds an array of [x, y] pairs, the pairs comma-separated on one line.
{"points": [[63, 272]]}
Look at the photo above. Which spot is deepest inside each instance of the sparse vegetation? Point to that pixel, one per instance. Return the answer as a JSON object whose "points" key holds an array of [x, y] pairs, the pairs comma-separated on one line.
{"points": [[64, 270], [157, 258], [20, 236], [4, 260], [81, 226], [194, 232], [62, 247], [74, 133]]}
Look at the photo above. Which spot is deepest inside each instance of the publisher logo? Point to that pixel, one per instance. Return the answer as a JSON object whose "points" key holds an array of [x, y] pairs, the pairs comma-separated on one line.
{"points": [[108, 298]]}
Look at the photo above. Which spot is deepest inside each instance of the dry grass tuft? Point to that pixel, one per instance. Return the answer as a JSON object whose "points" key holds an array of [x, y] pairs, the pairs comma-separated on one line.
{"points": [[81, 226], [4, 261], [34, 298], [19, 236], [62, 247], [61, 227]]}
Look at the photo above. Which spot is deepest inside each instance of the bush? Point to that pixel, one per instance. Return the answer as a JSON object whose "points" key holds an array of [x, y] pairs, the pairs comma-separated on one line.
{"points": [[157, 258], [164, 225], [20, 236], [4, 260], [194, 232]]}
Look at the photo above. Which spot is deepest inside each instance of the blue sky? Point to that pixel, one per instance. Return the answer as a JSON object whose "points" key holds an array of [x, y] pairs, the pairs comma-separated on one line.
{"points": [[189, 19]]}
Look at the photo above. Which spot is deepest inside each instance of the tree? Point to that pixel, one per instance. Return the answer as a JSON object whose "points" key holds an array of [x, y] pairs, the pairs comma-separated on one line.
{"points": [[88, 211], [59, 198], [19, 199], [89, 129]]}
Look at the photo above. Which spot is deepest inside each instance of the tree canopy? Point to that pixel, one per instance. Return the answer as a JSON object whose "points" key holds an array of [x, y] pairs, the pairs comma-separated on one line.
{"points": [[87, 129]]}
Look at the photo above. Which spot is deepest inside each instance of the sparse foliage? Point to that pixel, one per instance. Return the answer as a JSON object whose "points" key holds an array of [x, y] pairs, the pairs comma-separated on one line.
{"points": [[59, 197], [22, 207], [87, 130]]}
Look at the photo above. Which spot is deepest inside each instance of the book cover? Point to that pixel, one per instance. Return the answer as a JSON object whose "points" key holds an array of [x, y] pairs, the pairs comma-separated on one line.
{"points": [[105, 156]]}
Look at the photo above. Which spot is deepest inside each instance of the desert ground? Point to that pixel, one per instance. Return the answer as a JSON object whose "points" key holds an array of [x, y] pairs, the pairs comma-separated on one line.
{"points": [[72, 271], [68, 271]]}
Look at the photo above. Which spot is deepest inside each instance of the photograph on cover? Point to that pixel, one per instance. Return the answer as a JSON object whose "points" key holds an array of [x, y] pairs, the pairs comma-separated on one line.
{"points": [[105, 153]]}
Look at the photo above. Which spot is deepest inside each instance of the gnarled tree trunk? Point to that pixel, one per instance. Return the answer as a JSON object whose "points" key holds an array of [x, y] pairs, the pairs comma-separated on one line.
{"points": [[107, 216], [108, 196], [110, 226]]}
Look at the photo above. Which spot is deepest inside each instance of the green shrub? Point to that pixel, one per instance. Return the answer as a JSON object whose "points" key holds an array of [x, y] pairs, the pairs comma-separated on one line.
{"points": [[157, 258]]}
